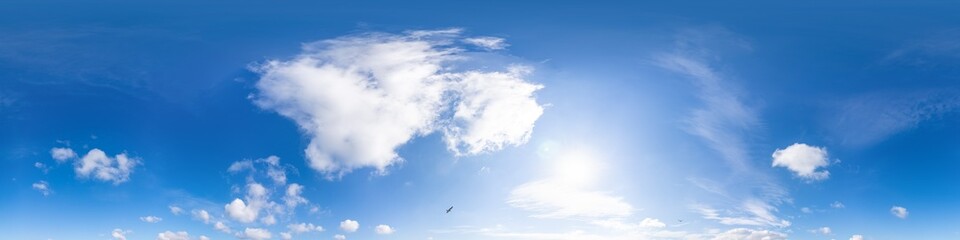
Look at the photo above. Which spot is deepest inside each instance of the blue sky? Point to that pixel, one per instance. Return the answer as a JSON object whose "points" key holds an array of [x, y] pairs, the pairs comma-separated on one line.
{"points": [[368, 119]]}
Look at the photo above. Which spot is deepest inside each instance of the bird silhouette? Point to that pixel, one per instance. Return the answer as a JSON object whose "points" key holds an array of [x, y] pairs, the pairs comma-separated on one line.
{"points": [[449, 209]]}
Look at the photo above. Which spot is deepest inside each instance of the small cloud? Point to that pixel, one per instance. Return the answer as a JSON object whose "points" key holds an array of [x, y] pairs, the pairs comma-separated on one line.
{"points": [[822, 230], [856, 237], [349, 225], [803, 160], [488, 43], [384, 229], [62, 154], [339, 237], [169, 235], [220, 226], [837, 204], [202, 215], [899, 211], [43, 188], [175, 210], [120, 234], [652, 223], [151, 219], [98, 165], [42, 167], [806, 210], [256, 234], [304, 227]]}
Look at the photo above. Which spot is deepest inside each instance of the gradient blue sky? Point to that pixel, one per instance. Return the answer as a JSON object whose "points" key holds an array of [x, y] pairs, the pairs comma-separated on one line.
{"points": [[560, 120]]}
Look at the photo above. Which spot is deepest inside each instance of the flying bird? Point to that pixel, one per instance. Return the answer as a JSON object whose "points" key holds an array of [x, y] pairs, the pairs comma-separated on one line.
{"points": [[449, 209]]}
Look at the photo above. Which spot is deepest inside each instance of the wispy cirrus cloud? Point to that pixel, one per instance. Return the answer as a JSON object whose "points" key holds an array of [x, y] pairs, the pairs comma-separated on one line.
{"points": [[724, 121], [872, 117]]}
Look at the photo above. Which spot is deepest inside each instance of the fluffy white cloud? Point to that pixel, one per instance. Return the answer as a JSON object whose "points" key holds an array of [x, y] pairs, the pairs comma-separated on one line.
{"points": [[339, 237], [62, 154], [220, 226], [168, 235], [652, 223], [899, 211], [202, 215], [803, 160], [286, 236], [202, 237], [175, 210], [240, 211], [750, 234], [116, 169], [292, 197], [361, 97], [120, 234], [151, 219], [837, 204], [43, 187], [383, 229], [349, 225], [488, 43], [256, 233], [555, 199], [304, 227], [496, 109], [856, 237]]}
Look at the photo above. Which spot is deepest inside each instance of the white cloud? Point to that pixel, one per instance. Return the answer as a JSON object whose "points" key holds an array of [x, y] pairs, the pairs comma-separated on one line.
{"points": [[304, 227], [292, 197], [752, 212], [750, 234], [488, 43], [202, 237], [43, 187], [339, 237], [286, 236], [496, 109], [168, 235], [856, 237], [116, 169], [220, 226], [822, 230], [240, 211], [256, 233], [554, 199], [151, 219], [62, 154], [120, 234], [837, 204], [269, 220], [240, 166], [803, 160], [384, 229], [361, 97], [899, 211], [806, 210], [175, 210], [349, 225], [274, 170], [652, 223], [202, 215]]}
